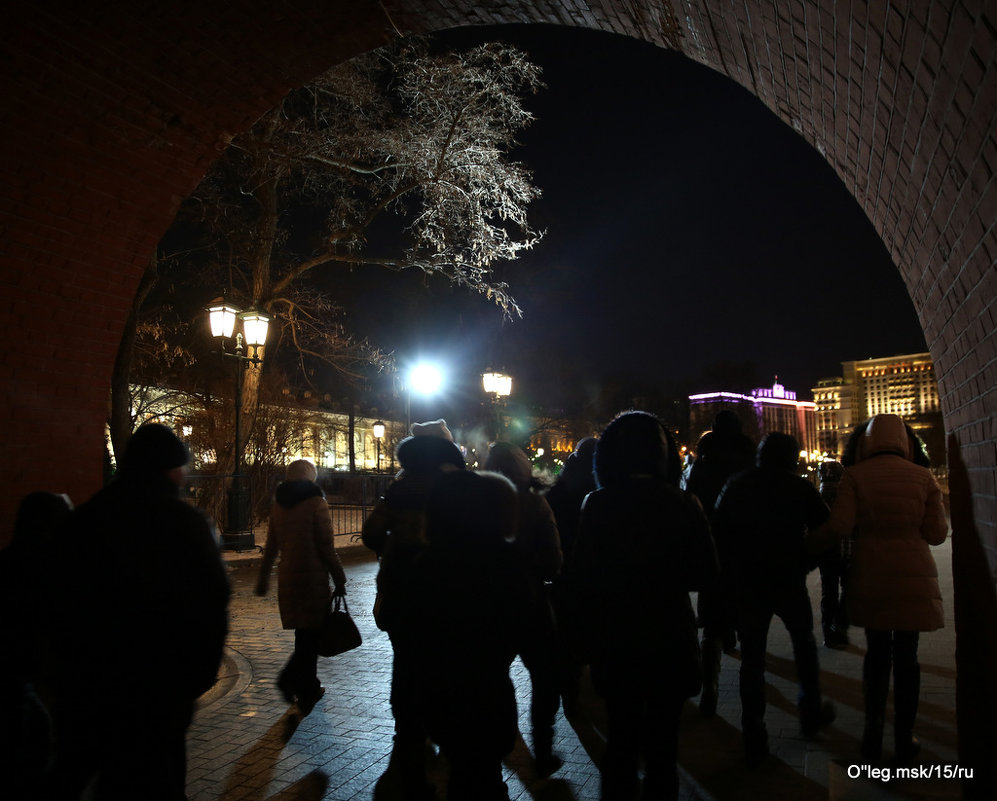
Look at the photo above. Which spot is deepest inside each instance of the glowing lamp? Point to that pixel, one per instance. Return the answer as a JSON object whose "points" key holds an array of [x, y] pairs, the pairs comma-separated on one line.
{"points": [[497, 384], [222, 316], [254, 327]]}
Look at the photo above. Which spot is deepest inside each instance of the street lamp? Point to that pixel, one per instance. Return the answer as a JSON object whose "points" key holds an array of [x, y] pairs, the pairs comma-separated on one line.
{"points": [[238, 534], [499, 386], [378, 436], [423, 378]]}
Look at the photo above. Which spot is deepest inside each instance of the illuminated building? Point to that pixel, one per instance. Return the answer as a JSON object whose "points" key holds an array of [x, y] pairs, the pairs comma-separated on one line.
{"points": [[766, 409], [903, 385]]}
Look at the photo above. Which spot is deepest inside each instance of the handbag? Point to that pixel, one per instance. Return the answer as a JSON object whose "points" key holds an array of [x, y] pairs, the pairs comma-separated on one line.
{"points": [[339, 633]]}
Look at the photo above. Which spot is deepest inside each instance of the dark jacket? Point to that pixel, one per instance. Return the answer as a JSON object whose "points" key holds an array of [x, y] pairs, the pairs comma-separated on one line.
{"points": [[396, 528], [143, 594], [719, 455], [643, 545], [761, 521], [474, 595]]}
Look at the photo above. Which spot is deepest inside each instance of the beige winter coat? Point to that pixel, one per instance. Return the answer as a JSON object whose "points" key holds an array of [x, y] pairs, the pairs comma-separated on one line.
{"points": [[301, 531], [892, 508]]}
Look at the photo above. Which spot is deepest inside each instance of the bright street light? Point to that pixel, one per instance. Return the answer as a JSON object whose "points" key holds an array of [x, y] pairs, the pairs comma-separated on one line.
{"points": [[423, 379]]}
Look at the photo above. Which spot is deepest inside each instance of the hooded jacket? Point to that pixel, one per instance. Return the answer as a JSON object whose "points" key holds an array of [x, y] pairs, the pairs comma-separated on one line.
{"points": [[301, 531], [892, 509]]}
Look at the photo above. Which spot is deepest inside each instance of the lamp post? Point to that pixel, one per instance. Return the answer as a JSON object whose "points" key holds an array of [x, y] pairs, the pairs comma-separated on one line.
{"points": [[238, 534], [499, 386], [378, 428]]}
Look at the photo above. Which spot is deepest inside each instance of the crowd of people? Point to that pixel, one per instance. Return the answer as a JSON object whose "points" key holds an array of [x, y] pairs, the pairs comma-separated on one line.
{"points": [[475, 569]]}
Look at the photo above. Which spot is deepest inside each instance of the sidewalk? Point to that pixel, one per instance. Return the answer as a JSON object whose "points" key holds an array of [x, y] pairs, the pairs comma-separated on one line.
{"points": [[246, 744]]}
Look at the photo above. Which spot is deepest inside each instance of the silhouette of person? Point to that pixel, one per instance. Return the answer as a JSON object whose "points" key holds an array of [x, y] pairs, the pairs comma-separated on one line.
{"points": [[142, 602], [396, 532], [643, 545], [892, 509], [25, 680], [575, 481], [721, 453], [469, 612], [300, 531], [760, 525], [539, 547], [832, 566]]}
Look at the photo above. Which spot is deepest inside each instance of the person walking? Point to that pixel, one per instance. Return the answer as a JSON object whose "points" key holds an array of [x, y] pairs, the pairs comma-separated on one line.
{"points": [[575, 481], [721, 453], [643, 545], [892, 510], [301, 533], [760, 525], [396, 532], [141, 614], [25, 657], [539, 548], [468, 616], [833, 566]]}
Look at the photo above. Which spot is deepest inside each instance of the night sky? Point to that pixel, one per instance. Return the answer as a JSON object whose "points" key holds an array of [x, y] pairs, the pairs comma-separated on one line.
{"points": [[691, 235]]}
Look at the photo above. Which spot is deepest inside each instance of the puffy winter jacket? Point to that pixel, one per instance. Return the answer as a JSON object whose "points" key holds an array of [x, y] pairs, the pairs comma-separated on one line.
{"points": [[301, 531], [892, 509]]}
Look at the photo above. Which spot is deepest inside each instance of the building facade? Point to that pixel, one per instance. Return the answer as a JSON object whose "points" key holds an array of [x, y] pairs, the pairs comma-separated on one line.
{"points": [[904, 385], [766, 409]]}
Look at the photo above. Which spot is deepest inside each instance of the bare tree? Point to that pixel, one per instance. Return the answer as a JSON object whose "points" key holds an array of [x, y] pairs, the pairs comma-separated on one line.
{"points": [[397, 159]]}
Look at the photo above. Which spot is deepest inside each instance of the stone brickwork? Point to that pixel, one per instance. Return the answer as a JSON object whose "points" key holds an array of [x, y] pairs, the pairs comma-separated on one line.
{"points": [[112, 113]]}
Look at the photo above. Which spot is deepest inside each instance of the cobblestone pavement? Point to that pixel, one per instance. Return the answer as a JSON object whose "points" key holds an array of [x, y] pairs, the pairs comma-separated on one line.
{"points": [[247, 745]]}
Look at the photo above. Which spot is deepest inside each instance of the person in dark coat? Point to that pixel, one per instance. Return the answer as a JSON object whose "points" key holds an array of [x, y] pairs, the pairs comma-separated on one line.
{"points": [[720, 454], [25, 680], [833, 566], [575, 481], [300, 531], [762, 518], [142, 614], [396, 532], [539, 549], [643, 546], [474, 596]]}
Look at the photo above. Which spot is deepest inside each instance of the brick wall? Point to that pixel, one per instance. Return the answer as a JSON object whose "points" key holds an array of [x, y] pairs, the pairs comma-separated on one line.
{"points": [[112, 112]]}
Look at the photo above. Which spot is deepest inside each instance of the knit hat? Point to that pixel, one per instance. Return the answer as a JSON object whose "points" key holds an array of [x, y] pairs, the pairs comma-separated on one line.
{"points": [[428, 453], [432, 428], [153, 448], [301, 470]]}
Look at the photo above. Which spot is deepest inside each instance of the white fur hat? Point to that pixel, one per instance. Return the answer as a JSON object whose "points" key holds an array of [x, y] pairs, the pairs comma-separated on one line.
{"points": [[432, 428]]}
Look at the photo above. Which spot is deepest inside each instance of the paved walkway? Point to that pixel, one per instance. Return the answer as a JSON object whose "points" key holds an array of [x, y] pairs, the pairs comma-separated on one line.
{"points": [[247, 745]]}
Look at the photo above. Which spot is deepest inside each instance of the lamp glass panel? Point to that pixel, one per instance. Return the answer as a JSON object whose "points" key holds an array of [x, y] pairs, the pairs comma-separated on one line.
{"points": [[497, 383], [378, 430], [222, 319], [254, 327]]}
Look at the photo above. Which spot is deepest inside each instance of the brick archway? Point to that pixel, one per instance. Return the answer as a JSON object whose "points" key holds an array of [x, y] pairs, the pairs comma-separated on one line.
{"points": [[112, 116]]}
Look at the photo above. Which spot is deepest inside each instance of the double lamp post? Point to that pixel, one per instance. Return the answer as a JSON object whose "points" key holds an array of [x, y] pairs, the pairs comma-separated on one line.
{"points": [[238, 534]]}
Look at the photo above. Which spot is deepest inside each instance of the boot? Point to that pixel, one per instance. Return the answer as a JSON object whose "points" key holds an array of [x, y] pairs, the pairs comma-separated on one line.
{"points": [[872, 739], [906, 692], [711, 648], [875, 689], [545, 761]]}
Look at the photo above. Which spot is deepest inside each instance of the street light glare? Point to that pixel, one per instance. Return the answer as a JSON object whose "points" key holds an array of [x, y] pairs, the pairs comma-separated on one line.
{"points": [[425, 379]]}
